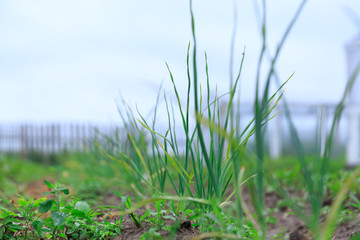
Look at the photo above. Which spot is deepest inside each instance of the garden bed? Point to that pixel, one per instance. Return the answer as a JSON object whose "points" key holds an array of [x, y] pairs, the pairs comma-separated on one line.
{"points": [[282, 223]]}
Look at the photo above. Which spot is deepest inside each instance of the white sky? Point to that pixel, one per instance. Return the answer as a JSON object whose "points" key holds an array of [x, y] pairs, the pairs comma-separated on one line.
{"points": [[73, 59]]}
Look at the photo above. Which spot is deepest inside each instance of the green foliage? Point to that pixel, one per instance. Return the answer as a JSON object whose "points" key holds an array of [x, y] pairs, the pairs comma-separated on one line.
{"points": [[9, 223], [67, 219], [157, 217], [152, 234], [14, 172]]}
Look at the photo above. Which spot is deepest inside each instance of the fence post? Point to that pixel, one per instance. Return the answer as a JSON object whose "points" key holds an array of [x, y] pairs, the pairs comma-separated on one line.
{"points": [[352, 150], [2, 147], [274, 136], [321, 128], [353, 144], [23, 140], [78, 136], [53, 138]]}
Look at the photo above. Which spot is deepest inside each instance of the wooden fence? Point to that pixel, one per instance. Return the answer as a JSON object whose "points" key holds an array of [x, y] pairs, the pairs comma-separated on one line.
{"points": [[312, 121], [50, 138]]}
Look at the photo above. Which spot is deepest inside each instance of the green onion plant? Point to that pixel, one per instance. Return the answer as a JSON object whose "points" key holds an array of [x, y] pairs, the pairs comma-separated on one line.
{"points": [[212, 165]]}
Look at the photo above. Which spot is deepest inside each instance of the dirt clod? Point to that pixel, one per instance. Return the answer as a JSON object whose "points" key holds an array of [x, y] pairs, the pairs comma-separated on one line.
{"points": [[301, 233], [185, 224]]}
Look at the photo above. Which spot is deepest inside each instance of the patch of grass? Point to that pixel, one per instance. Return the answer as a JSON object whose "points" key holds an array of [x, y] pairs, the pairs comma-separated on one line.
{"points": [[74, 169]]}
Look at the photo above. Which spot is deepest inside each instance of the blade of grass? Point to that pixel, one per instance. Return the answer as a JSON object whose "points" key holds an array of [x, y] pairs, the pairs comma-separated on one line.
{"points": [[325, 160], [328, 229], [213, 181]]}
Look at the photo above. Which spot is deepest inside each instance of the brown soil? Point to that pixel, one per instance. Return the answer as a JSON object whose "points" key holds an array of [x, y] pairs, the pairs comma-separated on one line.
{"points": [[287, 225], [131, 231], [37, 188]]}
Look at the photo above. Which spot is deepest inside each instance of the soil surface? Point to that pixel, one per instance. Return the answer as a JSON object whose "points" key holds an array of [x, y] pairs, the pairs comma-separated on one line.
{"points": [[286, 226], [292, 227], [131, 231]]}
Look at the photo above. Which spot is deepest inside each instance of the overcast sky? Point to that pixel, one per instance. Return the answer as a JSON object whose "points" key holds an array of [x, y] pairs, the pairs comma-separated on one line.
{"points": [[73, 59]]}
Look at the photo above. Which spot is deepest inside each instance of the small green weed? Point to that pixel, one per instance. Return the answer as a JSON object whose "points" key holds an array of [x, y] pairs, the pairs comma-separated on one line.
{"points": [[9, 223], [67, 218]]}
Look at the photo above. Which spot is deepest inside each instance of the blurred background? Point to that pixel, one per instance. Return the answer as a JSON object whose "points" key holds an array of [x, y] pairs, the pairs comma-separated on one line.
{"points": [[65, 66]]}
